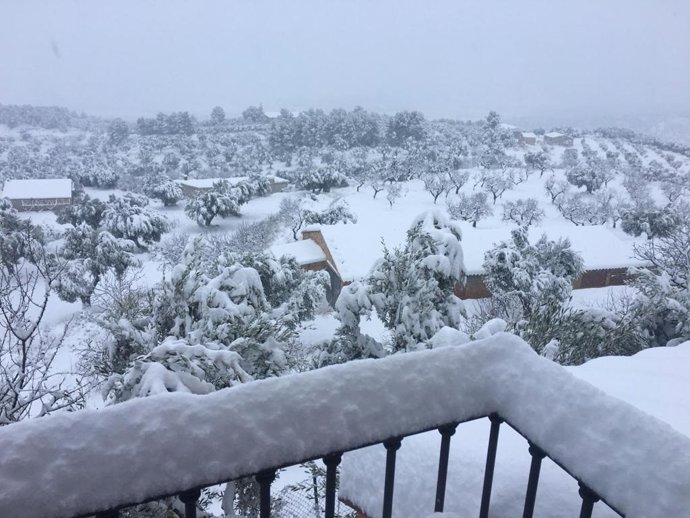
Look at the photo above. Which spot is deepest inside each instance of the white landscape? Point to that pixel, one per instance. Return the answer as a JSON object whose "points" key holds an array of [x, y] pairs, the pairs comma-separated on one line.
{"points": [[213, 276]]}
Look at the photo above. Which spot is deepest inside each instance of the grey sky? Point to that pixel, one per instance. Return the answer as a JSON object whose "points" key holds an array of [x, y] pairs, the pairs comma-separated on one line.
{"points": [[448, 58]]}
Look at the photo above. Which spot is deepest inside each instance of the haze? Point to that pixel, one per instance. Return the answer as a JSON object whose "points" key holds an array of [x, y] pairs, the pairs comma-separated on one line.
{"points": [[527, 59]]}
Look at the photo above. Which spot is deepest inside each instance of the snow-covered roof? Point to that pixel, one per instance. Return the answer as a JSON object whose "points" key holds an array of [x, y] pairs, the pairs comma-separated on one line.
{"points": [[529, 134], [653, 382], [305, 251], [356, 248], [278, 179], [38, 189], [554, 134], [633, 460], [207, 183], [600, 247]]}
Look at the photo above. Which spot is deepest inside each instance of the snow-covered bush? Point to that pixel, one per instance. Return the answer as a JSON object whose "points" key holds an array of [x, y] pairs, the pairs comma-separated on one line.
{"points": [[473, 207], [584, 175], [85, 210], [128, 217], [663, 304], [177, 366], [219, 201], [164, 189], [524, 212], [319, 179], [528, 276], [573, 336], [89, 255], [411, 289], [652, 221]]}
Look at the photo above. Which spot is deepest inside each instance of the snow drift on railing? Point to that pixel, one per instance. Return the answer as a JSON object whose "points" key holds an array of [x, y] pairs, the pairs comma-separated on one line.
{"points": [[76, 463]]}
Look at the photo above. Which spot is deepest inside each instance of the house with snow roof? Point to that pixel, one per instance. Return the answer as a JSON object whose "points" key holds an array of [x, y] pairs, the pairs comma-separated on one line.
{"points": [[608, 254], [556, 138], [527, 138], [39, 193]]}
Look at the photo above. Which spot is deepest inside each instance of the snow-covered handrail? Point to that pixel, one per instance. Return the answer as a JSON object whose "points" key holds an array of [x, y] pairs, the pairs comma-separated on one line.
{"points": [[95, 460]]}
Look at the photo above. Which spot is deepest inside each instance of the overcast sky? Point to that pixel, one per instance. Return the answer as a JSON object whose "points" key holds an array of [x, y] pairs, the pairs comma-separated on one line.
{"points": [[447, 58]]}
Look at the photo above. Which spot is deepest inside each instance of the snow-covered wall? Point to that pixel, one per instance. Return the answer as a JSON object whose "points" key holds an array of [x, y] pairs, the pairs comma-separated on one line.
{"points": [[77, 463]]}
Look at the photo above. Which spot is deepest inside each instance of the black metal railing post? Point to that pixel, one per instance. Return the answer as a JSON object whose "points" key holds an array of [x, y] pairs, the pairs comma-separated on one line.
{"points": [[589, 498], [446, 432], [265, 479], [189, 499], [331, 461], [490, 463], [392, 446], [534, 469]]}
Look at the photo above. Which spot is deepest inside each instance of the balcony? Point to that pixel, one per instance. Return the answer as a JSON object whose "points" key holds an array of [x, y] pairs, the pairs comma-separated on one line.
{"points": [[96, 462]]}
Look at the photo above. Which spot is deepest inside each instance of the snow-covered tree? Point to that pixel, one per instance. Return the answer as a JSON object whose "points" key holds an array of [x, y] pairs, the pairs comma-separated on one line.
{"points": [[393, 192], [570, 158], [652, 221], [406, 126], [89, 255], [662, 307], [217, 116], [473, 207], [164, 189], [584, 175], [538, 161], [219, 201], [84, 210], [128, 217], [118, 131], [556, 188], [320, 179], [31, 384], [411, 289], [497, 182], [583, 209], [436, 184], [457, 179], [529, 276], [524, 212]]}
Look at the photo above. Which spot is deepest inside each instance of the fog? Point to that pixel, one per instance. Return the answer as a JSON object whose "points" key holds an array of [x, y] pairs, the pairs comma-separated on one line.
{"points": [[538, 60]]}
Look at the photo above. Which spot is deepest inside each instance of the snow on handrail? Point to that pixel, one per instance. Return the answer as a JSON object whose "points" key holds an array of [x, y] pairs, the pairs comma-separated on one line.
{"points": [[93, 460]]}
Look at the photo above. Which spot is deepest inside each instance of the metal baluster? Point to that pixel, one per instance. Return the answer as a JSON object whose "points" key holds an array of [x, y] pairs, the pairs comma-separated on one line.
{"points": [[490, 462], [446, 432], [392, 446], [189, 499], [534, 469], [589, 498], [331, 461], [265, 478]]}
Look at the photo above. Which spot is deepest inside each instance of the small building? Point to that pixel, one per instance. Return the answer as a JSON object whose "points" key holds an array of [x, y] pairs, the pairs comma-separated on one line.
{"points": [[528, 138], [278, 184], [558, 139], [312, 254], [39, 194]]}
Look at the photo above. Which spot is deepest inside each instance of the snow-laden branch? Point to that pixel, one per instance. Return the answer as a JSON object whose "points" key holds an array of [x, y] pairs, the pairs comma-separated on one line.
{"points": [[91, 460]]}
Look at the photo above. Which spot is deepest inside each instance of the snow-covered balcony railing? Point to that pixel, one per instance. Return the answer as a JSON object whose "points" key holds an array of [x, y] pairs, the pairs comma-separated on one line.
{"points": [[99, 461]]}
